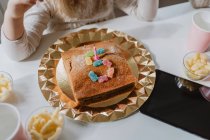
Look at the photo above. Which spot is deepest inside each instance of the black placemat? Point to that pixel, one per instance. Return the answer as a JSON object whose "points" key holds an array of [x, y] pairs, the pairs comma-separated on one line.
{"points": [[177, 107]]}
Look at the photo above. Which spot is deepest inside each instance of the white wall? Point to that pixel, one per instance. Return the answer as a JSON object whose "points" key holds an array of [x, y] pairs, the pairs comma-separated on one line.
{"points": [[3, 3], [1, 17]]}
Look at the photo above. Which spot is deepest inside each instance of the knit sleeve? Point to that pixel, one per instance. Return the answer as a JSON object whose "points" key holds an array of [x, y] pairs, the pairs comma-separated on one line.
{"points": [[130, 7], [35, 22], [142, 9]]}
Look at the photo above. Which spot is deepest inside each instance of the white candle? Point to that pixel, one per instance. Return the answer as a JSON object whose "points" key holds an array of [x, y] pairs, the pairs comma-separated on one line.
{"points": [[95, 54]]}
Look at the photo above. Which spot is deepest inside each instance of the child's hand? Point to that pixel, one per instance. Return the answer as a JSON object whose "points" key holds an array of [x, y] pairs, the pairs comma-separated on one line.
{"points": [[17, 8]]}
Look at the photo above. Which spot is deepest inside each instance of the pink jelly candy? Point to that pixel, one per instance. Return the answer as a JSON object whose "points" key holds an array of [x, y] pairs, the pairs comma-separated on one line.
{"points": [[110, 72], [107, 63], [102, 79]]}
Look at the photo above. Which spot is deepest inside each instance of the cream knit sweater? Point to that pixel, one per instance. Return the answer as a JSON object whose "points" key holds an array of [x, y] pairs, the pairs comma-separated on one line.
{"points": [[42, 17]]}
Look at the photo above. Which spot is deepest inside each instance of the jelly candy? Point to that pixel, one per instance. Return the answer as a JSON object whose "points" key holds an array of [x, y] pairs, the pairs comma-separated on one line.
{"points": [[100, 51], [89, 54], [107, 63], [97, 63], [102, 79], [88, 61], [110, 72], [93, 76]]}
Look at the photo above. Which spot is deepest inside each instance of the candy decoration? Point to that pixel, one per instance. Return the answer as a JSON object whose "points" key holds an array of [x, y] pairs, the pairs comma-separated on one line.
{"points": [[107, 63], [89, 54], [102, 79], [93, 76], [100, 51], [88, 61], [110, 72], [95, 54], [97, 63]]}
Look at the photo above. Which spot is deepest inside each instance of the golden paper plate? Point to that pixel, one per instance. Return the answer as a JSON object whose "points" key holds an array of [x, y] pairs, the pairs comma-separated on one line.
{"points": [[141, 63]]}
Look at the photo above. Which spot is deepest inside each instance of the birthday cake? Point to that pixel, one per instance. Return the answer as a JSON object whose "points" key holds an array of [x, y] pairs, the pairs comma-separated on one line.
{"points": [[98, 74]]}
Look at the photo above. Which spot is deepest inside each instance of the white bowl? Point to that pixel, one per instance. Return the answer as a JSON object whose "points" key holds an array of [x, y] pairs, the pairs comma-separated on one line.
{"points": [[7, 92], [37, 111], [190, 73]]}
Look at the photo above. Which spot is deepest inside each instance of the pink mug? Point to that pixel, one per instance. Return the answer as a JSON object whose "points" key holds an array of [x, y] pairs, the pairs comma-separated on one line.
{"points": [[199, 39], [11, 127]]}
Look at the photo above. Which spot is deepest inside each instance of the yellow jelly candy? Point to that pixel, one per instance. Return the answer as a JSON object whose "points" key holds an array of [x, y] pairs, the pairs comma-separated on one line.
{"points": [[88, 61]]}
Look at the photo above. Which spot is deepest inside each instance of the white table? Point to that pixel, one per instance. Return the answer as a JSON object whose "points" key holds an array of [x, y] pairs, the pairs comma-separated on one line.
{"points": [[166, 39]]}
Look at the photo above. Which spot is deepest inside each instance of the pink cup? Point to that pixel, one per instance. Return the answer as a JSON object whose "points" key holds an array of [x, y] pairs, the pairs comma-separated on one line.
{"points": [[11, 127], [199, 39]]}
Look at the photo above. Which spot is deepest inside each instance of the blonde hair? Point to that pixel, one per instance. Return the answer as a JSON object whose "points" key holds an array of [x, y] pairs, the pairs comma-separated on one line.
{"points": [[81, 9], [86, 9]]}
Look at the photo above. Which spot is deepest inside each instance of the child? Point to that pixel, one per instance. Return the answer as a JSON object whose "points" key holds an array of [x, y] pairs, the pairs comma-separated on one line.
{"points": [[25, 20]]}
